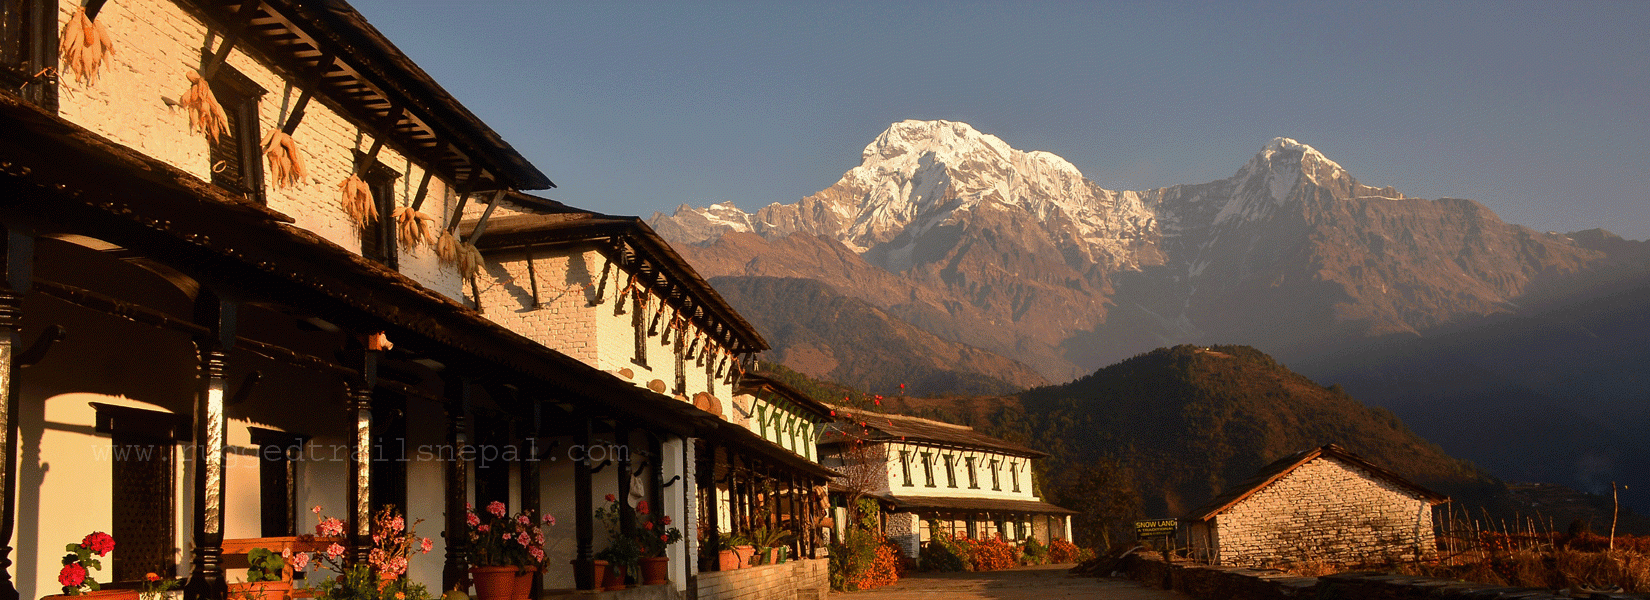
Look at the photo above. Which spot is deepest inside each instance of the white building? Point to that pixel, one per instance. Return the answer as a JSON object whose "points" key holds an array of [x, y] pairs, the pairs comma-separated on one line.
{"points": [[929, 474]]}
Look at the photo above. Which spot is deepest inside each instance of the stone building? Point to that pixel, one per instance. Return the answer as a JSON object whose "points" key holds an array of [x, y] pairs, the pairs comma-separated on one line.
{"points": [[928, 474], [1320, 505]]}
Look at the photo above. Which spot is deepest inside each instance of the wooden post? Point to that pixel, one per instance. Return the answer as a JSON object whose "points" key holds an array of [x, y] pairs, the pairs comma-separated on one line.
{"points": [[206, 575], [18, 263], [455, 569], [583, 511], [621, 442], [360, 493], [707, 482], [530, 488]]}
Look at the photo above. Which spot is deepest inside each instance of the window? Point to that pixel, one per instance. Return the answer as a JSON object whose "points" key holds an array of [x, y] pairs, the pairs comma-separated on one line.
{"points": [[388, 479], [638, 321], [681, 362], [973, 480], [278, 453], [236, 157], [995, 484], [141, 447], [378, 241], [950, 471], [905, 465], [1014, 475], [762, 419], [27, 45], [928, 467]]}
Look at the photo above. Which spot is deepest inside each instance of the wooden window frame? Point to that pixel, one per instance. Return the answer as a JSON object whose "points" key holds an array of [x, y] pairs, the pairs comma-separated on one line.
{"points": [[277, 480], [127, 425], [973, 476], [638, 321], [928, 468], [950, 471], [996, 481], [381, 179], [905, 467]]}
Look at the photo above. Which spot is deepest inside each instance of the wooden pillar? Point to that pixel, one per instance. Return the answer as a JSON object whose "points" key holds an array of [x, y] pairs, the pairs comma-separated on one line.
{"points": [[707, 479], [360, 493], [18, 264], [583, 510], [530, 488], [206, 574], [455, 568], [627, 514]]}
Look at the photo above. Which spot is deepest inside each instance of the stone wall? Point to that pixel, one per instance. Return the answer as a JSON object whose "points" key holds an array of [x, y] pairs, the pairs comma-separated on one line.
{"points": [[798, 579], [1206, 582], [1323, 511]]}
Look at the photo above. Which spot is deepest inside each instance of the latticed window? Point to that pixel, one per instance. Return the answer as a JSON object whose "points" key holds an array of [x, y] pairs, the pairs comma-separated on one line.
{"points": [[141, 447], [235, 155], [278, 455], [378, 236]]}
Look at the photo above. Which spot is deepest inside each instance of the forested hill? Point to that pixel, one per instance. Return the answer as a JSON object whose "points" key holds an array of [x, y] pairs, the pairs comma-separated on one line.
{"points": [[1189, 421]]}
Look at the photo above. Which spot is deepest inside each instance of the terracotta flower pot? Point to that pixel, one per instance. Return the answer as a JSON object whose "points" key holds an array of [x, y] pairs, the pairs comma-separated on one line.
{"points": [[615, 578], [99, 595], [596, 570], [726, 560], [745, 553], [260, 590], [656, 570], [523, 588], [494, 583]]}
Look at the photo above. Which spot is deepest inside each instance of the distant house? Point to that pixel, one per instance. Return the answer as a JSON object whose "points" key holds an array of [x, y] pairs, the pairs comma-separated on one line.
{"points": [[1324, 504], [928, 474]]}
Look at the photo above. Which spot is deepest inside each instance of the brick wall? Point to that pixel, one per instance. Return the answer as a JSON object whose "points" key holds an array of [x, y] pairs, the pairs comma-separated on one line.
{"points": [[157, 44], [799, 579], [1325, 510]]}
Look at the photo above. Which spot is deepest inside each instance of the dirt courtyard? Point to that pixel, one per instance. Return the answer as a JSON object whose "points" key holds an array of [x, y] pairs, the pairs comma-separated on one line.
{"points": [[1024, 583]]}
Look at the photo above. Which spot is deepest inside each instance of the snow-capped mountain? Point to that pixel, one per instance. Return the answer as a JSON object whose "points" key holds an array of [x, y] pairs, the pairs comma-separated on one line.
{"points": [[1018, 253]]}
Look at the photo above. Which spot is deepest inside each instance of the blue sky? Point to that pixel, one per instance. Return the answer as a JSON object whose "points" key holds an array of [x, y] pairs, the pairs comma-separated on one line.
{"points": [[1539, 110]]}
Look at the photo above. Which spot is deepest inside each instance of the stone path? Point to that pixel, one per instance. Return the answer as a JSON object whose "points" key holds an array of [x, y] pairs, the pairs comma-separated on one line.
{"points": [[1024, 583]]}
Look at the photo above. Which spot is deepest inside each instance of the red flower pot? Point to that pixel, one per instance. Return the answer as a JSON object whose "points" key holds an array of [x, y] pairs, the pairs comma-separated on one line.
{"points": [[656, 570], [494, 583], [615, 578], [523, 588]]}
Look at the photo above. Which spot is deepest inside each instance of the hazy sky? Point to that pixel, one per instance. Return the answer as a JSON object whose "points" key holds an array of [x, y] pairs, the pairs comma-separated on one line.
{"points": [[1540, 110]]}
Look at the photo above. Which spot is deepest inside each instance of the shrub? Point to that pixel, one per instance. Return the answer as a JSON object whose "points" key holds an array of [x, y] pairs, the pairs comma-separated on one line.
{"points": [[1062, 551], [993, 555], [1034, 553], [944, 553]]}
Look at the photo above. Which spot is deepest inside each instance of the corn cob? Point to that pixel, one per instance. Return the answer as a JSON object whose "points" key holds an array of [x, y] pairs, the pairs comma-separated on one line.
{"points": [[286, 164], [205, 114], [358, 203], [83, 46]]}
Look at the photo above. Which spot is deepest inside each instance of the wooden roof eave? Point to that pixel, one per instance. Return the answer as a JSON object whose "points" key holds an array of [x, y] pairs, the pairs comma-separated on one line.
{"points": [[369, 80]]}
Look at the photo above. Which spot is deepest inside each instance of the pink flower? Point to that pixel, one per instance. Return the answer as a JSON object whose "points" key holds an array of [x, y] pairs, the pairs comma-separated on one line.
{"points": [[335, 551], [72, 575], [496, 507], [300, 561], [538, 537], [524, 540], [472, 520], [536, 553], [468, 506], [483, 528], [98, 542], [316, 510], [398, 524], [549, 519], [524, 519], [506, 536], [426, 545]]}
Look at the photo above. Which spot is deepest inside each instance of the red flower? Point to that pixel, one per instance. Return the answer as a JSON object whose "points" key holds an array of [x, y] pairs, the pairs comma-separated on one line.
{"points": [[641, 507], [98, 542], [665, 519], [648, 525], [664, 538], [151, 577], [610, 498], [72, 575]]}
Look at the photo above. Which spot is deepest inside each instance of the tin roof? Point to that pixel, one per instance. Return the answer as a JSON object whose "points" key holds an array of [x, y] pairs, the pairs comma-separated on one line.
{"points": [[886, 427]]}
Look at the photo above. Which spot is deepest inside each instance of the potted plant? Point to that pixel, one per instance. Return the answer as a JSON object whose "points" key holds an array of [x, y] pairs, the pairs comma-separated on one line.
{"points": [[727, 557], [656, 536], [505, 550], [264, 577], [380, 578], [74, 576], [769, 543], [155, 588], [623, 551]]}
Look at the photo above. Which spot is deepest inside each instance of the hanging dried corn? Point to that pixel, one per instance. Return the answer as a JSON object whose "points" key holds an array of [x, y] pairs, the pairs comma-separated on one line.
{"points": [[286, 163], [205, 114], [446, 248], [83, 46], [469, 260], [358, 203], [413, 228]]}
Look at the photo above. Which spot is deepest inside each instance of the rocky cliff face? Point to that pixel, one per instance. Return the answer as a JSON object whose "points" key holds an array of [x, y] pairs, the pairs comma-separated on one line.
{"points": [[1016, 252]]}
